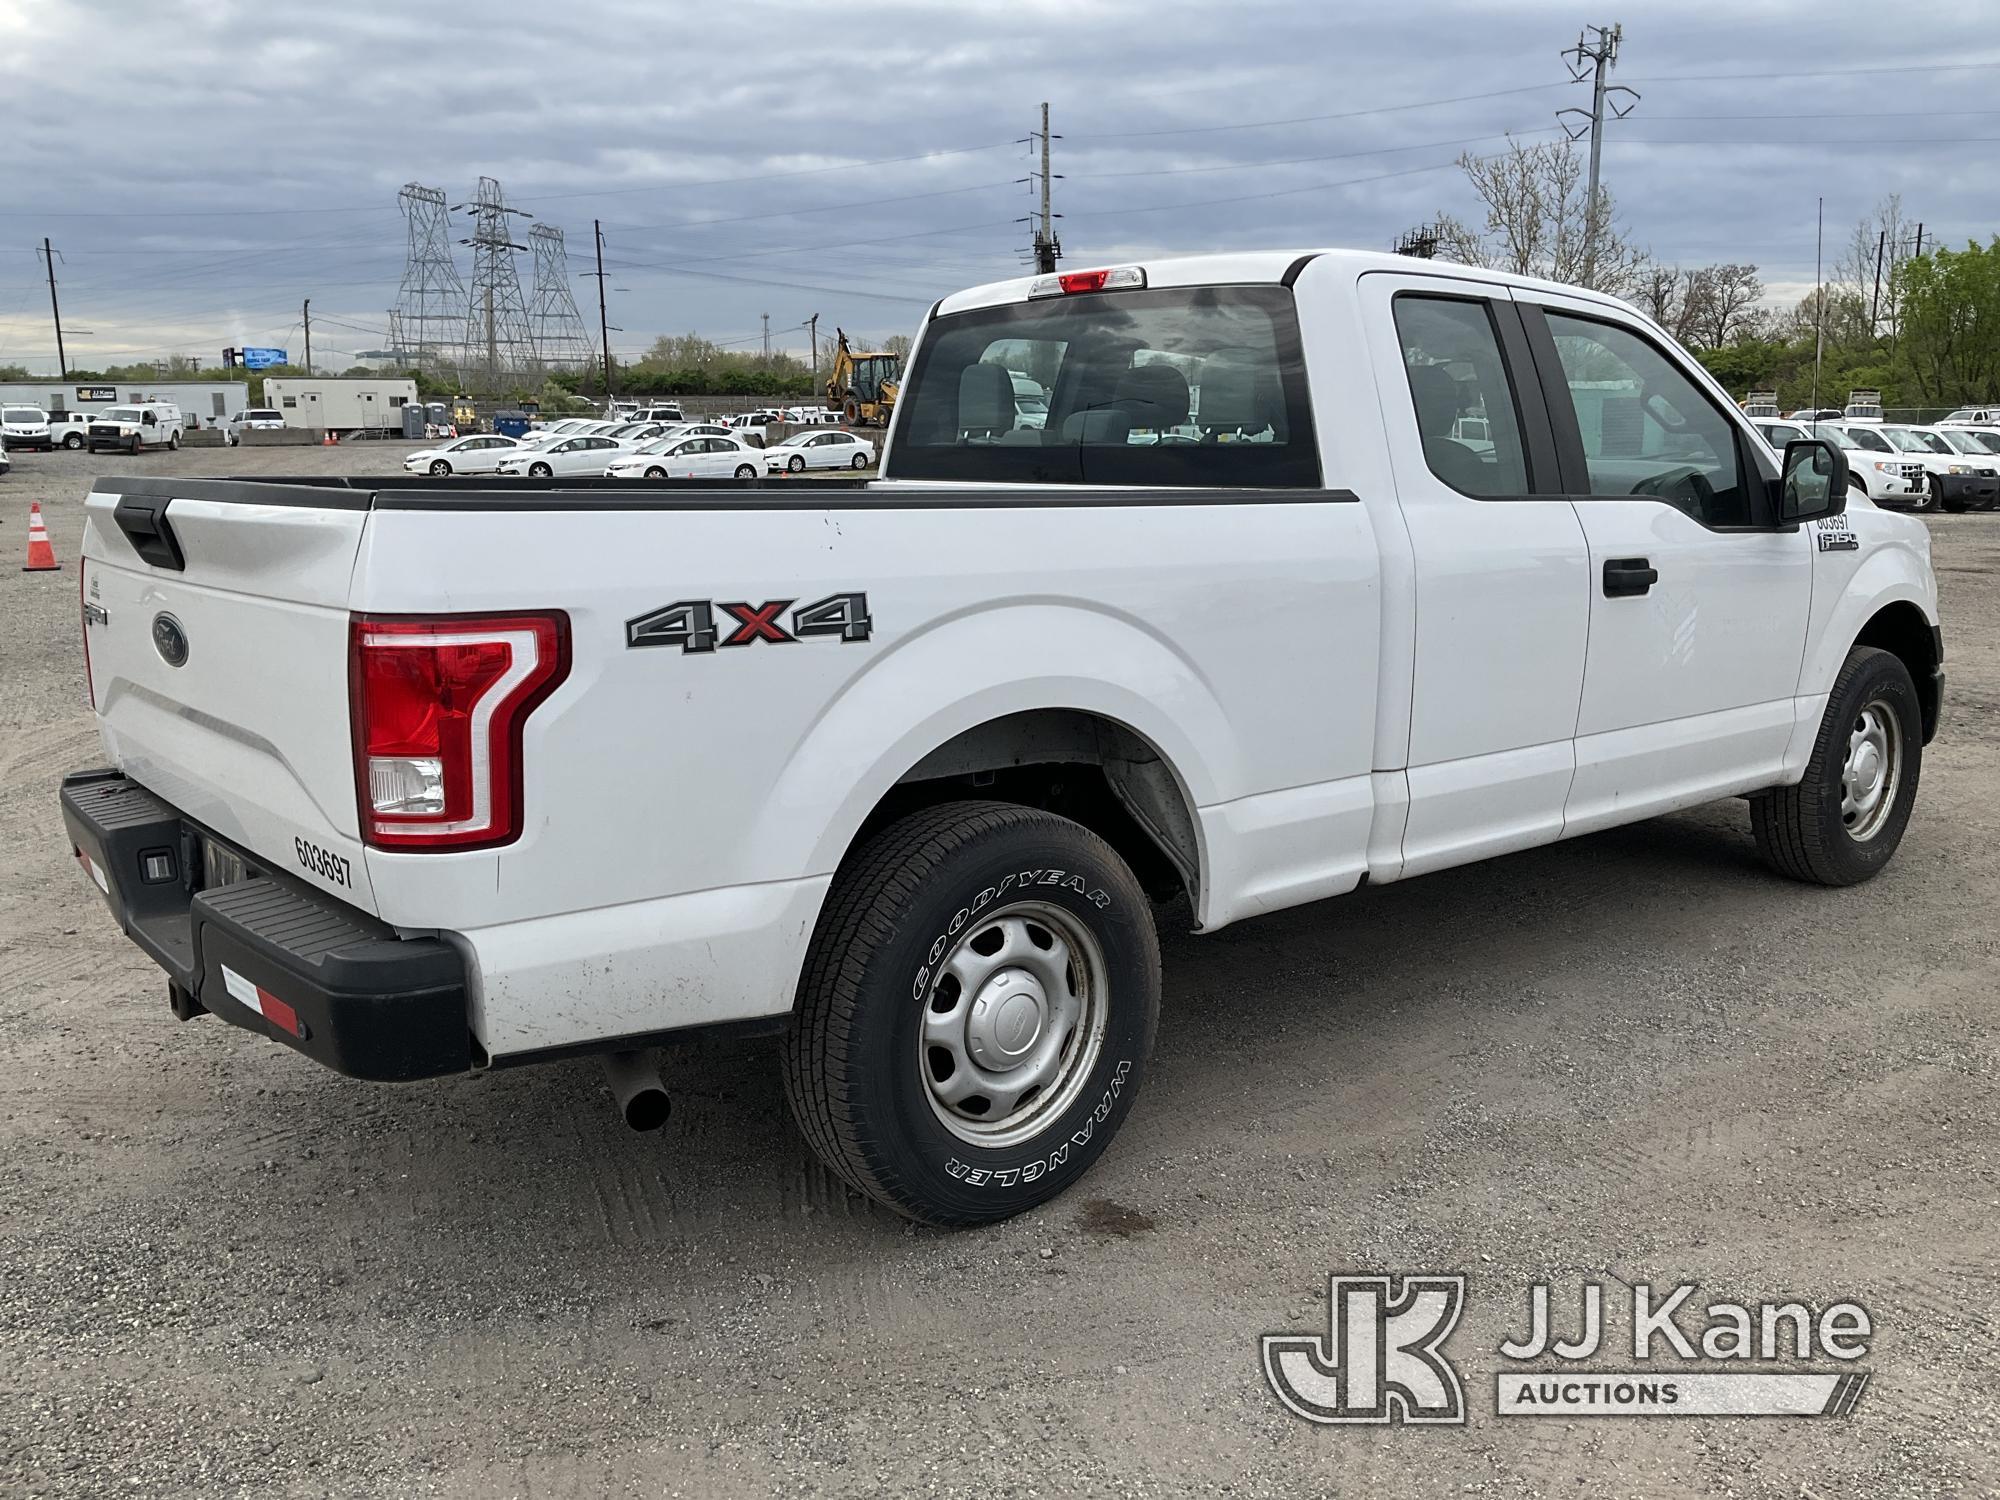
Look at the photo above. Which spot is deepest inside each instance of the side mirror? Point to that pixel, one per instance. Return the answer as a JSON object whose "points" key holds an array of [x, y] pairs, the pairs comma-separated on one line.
{"points": [[1814, 485]]}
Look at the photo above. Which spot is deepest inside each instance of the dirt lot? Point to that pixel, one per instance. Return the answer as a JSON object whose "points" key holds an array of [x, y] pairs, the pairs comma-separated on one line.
{"points": [[1637, 1057]]}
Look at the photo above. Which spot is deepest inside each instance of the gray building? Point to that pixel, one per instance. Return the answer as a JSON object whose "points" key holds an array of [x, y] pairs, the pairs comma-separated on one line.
{"points": [[205, 400]]}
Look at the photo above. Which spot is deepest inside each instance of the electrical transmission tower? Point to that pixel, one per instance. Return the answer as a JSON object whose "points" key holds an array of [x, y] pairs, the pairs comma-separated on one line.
{"points": [[497, 337], [428, 320], [1421, 242], [553, 320], [1593, 57]]}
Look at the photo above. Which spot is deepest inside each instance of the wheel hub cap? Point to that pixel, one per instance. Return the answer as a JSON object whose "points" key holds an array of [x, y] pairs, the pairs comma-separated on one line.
{"points": [[1869, 773], [1012, 1023]]}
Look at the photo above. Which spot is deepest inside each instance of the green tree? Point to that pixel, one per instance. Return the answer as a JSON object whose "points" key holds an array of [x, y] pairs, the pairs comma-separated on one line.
{"points": [[1950, 322]]}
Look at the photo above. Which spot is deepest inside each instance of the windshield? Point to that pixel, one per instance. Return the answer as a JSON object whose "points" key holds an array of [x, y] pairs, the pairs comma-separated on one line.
{"points": [[1989, 442], [1906, 440], [1188, 387], [31, 415], [1865, 437], [121, 414], [1966, 442]]}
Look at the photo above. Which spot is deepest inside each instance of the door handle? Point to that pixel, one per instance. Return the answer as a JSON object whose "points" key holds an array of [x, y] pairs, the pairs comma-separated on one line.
{"points": [[1627, 576]]}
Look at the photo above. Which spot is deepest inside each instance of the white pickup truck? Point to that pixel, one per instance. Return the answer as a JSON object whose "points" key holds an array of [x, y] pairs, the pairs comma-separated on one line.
{"points": [[1319, 569]]}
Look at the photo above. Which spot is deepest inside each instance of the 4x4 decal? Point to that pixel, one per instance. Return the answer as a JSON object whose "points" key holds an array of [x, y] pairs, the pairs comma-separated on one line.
{"points": [[691, 623]]}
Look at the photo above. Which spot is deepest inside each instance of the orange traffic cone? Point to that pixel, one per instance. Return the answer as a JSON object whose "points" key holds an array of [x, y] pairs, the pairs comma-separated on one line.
{"points": [[326, 438], [41, 556]]}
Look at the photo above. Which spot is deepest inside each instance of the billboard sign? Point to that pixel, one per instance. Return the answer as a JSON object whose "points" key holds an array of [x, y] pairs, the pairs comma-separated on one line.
{"points": [[97, 393], [263, 359]]}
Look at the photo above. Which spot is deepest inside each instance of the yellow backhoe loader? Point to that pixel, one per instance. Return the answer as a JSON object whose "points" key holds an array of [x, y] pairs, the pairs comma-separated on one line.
{"points": [[862, 387]]}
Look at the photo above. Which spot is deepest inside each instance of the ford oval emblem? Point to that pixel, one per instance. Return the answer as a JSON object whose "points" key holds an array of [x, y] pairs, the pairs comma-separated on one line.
{"points": [[170, 640]]}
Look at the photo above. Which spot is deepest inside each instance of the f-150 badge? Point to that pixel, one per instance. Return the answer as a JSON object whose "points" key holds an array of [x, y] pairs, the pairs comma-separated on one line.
{"points": [[697, 625]]}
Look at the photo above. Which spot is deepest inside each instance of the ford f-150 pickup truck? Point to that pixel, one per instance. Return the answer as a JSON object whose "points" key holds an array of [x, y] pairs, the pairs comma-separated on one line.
{"points": [[1317, 569]]}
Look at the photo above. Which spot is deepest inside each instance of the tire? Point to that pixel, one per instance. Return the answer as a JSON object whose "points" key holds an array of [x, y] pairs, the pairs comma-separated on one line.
{"points": [[439, 468], [173, 442], [860, 461], [917, 898], [72, 442], [1802, 831], [656, 473], [1953, 507], [796, 463], [746, 471], [850, 412], [540, 471]]}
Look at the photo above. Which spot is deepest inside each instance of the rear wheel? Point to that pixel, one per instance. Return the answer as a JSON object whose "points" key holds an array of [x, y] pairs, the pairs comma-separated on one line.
{"points": [[439, 468], [850, 412], [975, 1012], [173, 442], [860, 461], [1844, 819], [72, 442], [745, 471]]}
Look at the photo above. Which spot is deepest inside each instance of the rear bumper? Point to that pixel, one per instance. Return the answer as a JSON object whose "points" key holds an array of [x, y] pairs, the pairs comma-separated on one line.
{"points": [[264, 953]]}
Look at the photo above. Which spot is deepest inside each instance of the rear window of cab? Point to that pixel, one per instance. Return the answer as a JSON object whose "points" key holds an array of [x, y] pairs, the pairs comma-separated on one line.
{"points": [[1172, 387]]}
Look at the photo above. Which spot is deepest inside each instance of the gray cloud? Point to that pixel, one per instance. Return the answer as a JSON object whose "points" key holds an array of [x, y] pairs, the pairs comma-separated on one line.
{"points": [[205, 171]]}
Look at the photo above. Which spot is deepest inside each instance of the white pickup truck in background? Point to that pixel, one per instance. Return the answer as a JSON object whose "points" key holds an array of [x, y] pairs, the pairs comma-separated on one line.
{"points": [[1317, 569]]}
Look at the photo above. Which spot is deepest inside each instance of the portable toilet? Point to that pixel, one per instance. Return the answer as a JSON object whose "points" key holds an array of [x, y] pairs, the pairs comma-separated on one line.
{"points": [[413, 419]]}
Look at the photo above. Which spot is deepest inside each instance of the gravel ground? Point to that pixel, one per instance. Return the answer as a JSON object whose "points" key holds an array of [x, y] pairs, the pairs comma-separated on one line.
{"points": [[1636, 1057]]}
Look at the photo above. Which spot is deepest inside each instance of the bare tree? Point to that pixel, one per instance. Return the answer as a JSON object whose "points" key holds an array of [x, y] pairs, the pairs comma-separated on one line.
{"points": [[1662, 295], [1537, 217], [1718, 301]]}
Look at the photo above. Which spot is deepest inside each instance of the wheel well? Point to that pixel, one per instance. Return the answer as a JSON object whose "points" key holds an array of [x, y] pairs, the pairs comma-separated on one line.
{"points": [[1902, 630], [1085, 767]]}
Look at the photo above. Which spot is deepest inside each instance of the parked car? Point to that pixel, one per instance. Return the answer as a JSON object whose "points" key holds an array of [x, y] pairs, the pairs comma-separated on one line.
{"points": [[25, 427], [69, 429], [530, 780], [1975, 416], [150, 424], [1875, 467], [632, 434], [819, 450], [664, 411], [1816, 414], [583, 453], [263, 417], [1778, 434], [1973, 483], [688, 458], [479, 454]]}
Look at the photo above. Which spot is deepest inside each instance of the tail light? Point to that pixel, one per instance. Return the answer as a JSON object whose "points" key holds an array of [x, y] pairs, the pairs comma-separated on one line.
{"points": [[83, 611], [1069, 283], [438, 703]]}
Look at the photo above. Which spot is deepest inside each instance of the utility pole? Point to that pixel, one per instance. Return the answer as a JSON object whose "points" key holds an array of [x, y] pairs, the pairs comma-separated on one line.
{"points": [[1919, 251], [1047, 248], [1875, 305], [767, 337], [812, 326], [603, 318], [1593, 57], [306, 317], [1819, 306], [55, 307]]}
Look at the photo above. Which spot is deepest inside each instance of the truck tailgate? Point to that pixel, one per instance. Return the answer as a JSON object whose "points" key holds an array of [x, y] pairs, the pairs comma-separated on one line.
{"points": [[221, 683]]}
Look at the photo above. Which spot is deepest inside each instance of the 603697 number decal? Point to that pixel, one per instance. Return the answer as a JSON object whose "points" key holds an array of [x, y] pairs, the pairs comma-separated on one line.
{"points": [[330, 867], [703, 625]]}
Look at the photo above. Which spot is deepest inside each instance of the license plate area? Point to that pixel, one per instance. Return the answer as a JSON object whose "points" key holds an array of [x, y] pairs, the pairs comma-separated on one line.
{"points": [[221, 865]]}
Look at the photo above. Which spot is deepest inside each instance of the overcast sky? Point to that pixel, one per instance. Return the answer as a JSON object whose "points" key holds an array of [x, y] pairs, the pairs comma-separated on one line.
{"points": [[202, 168]]}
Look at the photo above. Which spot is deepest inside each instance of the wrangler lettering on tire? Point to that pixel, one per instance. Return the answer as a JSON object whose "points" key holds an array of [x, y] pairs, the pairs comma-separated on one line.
{"points": [[975, 1013]]}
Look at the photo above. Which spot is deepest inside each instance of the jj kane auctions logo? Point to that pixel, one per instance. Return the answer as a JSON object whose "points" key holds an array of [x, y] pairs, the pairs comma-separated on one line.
{"points": [[1382, 1357]]}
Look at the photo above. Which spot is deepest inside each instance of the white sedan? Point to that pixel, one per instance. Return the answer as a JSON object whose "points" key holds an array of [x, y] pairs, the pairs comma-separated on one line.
{"points": [[479, 454], [820, 450], [689, 458], [571, 455]]}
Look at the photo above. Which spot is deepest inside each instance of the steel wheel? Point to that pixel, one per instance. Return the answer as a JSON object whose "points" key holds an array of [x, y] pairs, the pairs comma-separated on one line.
{"points": [[1013, 1023], [1869, 775], [656, 472]]}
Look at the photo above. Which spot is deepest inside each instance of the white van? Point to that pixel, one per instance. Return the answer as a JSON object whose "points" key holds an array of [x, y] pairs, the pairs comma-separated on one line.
{"points": [[24, 427], [149, 424]]}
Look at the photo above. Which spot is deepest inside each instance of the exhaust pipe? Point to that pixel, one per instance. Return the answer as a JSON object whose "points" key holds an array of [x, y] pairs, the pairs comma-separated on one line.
{"points": [[635, 1084]]}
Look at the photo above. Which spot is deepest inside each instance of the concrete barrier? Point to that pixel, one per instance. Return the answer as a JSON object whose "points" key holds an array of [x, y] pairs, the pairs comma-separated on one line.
{"points": [[205, 437], [281, 437]]}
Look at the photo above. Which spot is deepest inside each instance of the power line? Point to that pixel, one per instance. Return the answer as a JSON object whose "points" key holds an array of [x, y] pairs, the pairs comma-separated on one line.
{"points": [[1349, 114]]}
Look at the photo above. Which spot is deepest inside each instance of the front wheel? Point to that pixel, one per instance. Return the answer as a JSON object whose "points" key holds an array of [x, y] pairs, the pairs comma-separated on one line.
{"points": [[439, 468], [975, 1013], [540, 471], [745, 471], [796, 463], [656, 472], [1844, 819]]}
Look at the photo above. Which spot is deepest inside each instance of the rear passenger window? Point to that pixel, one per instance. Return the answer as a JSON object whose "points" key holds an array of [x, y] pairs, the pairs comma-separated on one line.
{"points": [[1647, 428], [1464, 403]]}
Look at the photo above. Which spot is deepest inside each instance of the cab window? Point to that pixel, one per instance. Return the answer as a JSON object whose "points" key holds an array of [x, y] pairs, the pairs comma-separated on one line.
{"points": [[1648, 430], [1464, 402]]}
